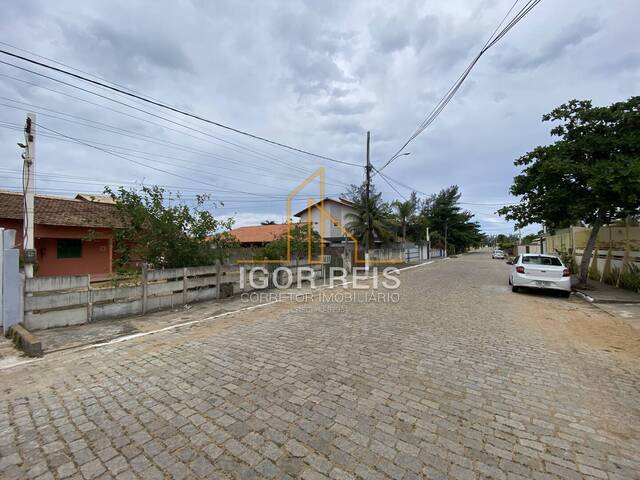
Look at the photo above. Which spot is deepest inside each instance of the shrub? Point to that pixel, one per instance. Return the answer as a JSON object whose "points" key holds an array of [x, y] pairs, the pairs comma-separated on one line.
{"points": [[630, 278], [611, 278], [568, 260]]}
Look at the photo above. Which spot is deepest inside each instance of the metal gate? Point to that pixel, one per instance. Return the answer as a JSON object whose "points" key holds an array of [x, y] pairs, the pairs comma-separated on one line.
{"points": [[10, 281]]}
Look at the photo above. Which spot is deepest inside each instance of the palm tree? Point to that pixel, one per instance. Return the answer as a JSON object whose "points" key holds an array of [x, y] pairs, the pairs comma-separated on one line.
{"points": [[379, 212], [404, 212]]}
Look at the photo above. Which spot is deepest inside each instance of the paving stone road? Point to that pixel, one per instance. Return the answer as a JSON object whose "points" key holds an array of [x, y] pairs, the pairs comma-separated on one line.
{"points": [[459, 379]]}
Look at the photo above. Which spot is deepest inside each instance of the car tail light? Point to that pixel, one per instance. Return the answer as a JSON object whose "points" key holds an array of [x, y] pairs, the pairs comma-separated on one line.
{"points": [[520, 269], [566, 273]]}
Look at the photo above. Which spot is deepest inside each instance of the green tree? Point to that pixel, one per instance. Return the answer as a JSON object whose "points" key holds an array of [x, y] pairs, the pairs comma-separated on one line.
{"points": [[379, 211], [448, 223], [277, 248], [166, 232], [590, 175], [507, 243], [404, 212]]}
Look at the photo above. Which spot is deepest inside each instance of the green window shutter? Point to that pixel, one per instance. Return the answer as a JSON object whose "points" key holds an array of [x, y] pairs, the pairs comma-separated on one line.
{"points": [[69, 248]]}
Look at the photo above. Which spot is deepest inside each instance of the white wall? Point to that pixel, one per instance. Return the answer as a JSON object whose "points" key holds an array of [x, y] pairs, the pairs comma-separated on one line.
{"points": [[337, 210]]}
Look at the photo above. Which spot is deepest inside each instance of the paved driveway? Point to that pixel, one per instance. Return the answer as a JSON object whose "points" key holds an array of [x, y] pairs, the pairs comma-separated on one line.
{"points": [[459, 379]]}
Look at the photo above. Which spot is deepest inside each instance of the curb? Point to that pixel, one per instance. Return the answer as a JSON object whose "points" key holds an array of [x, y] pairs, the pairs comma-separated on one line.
{"points": [[584, 296], [25, 341], [591, 299]]}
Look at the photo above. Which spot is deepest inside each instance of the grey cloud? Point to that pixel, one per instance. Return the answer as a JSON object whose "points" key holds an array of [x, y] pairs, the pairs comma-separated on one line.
{"points": [[571, 36], [425, 32], [343, 127], [342, 107], [498, 96], [131, 49], [405, 28], [391, 36], [308, 52]]}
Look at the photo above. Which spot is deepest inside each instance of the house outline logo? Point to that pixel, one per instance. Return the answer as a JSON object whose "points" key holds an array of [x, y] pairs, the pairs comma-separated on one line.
{"points": [[323, 215]]}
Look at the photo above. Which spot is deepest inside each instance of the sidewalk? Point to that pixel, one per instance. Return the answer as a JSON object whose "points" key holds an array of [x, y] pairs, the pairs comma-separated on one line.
{"points": [[604, 293], [615, 301]]}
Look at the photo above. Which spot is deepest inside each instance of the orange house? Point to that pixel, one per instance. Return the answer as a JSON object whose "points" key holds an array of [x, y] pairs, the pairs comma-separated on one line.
{"points": [[72, 236]]}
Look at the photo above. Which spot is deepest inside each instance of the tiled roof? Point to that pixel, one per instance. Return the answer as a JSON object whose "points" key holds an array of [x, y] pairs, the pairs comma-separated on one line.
{"points": [[60, 211], [259, 233], [340, 201]]}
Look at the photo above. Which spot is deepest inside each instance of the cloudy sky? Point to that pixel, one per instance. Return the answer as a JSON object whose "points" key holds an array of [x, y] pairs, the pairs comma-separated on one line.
{"points": [[314, 74]]}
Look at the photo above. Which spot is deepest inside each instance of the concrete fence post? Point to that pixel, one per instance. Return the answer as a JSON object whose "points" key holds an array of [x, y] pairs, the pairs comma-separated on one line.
{"points": [[89, 301], [218, 278], [145, 288], [184, 286]]}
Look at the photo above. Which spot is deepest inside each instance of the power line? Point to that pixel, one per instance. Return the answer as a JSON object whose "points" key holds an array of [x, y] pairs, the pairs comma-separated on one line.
{"points": [[145, 121], [154, 156], [168, 172], [166, 119], [444, 101], [384, 177], [169, 107], [389, 179]]}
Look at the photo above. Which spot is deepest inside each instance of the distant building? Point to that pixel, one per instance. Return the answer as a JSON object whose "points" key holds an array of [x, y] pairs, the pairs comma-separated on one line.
{"points": [[90, 197], [72, 236], [338, 209], [258, 235]]}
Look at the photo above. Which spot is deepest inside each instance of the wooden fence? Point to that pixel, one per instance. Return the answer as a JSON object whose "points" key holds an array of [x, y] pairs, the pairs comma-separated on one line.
{"points": [[71, 300]]}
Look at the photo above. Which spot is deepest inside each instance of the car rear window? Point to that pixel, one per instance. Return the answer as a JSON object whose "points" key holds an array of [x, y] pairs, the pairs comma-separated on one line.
{"points": [[538, 260]]}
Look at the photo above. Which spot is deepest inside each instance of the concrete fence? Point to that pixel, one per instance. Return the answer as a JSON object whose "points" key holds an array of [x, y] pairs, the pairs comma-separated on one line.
{"points": [[616, 246], [71, 300], [414, 253]]}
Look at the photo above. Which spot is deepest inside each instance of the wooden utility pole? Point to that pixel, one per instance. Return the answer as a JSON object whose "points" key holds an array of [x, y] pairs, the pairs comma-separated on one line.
{"points": [[367, 205]]}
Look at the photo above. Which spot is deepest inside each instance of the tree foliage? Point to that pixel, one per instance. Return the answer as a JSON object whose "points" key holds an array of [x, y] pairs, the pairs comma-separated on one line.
{"points": [[404, 214], [410, 218], [590, 175], [165, 231], [277, 248], [380, 212], [442, 213]]}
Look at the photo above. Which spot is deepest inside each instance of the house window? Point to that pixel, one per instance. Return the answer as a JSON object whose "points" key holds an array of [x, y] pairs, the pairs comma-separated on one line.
{"points": [[69, 248]]}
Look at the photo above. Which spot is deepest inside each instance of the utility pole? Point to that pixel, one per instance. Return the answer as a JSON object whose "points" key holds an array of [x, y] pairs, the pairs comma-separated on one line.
{"points": [[428, 245], [368, 210], [446, 252], [28, 182]]}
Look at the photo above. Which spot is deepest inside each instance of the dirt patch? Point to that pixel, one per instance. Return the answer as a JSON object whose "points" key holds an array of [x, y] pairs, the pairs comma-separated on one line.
{"points": [[579, 323]]}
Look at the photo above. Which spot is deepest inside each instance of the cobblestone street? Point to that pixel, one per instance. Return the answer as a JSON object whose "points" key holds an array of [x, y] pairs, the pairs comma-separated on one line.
{"points": [[460, 379]]}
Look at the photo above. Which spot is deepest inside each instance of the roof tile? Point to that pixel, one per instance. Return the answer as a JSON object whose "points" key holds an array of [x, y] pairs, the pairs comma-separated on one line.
{"points": [[61, 211]]}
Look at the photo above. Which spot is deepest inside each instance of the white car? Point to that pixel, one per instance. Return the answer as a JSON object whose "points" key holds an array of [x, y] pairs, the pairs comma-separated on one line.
{"points": [[498, 254], [536, 270]]}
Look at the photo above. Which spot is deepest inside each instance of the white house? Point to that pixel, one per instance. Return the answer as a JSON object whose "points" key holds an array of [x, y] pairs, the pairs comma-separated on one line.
{"points": [[338, 209]]}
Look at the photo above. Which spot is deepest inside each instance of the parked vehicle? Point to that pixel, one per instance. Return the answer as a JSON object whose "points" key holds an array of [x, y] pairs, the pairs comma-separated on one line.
{"points": [[535, 270], [498, 254]]}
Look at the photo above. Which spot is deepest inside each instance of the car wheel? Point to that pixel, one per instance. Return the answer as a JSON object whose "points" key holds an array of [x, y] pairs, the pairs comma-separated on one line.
{"points": [[515, 289], [565, 294]]}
